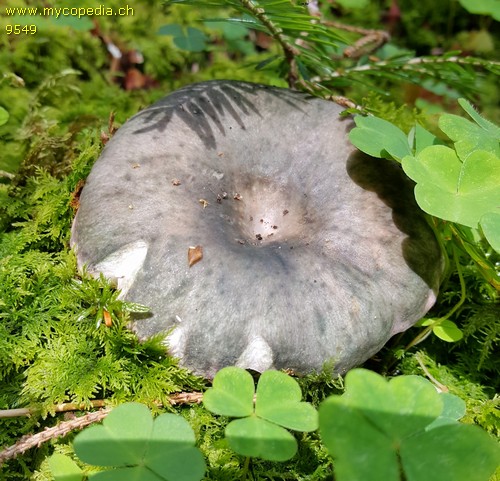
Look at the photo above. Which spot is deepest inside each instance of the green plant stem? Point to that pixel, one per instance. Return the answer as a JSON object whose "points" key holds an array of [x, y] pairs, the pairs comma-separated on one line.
{"points": [[434, 381], [423, 334], [487, 270], [245, 468]]}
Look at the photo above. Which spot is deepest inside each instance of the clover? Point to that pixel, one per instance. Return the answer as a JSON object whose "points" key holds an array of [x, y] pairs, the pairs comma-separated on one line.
{"points": [[138, 447], [402, 429], [263, 414]]}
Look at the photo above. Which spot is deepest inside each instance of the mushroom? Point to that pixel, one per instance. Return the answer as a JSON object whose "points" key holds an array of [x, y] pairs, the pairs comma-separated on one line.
{"points": [[312, 252]]}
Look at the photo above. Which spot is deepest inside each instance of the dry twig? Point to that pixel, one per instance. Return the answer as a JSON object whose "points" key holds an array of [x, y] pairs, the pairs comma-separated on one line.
{"points": [[62, 429]]}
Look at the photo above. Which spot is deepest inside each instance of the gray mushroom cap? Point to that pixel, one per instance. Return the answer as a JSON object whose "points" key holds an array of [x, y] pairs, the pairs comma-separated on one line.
{"points": [[312, 251]]}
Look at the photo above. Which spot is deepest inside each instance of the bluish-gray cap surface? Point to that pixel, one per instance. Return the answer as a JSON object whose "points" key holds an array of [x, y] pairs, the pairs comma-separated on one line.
{"points": [[311, 251]]}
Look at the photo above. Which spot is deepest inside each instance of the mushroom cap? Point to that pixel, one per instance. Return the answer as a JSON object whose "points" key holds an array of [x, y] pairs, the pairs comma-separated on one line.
{"points": [[307, 251]]}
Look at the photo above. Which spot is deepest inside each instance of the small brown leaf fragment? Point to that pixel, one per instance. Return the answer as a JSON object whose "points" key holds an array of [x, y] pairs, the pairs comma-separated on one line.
{"points": [[136, 166], [204, 203], [107, 318], [285, 212], [104, 137], [195, 254], [112, 128], [176, 182], [74, 202], [221, 154]]}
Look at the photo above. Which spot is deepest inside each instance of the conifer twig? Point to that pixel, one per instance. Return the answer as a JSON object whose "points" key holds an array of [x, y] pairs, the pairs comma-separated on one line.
{"points": [[408, 65], [62, 429], [277, 33]]}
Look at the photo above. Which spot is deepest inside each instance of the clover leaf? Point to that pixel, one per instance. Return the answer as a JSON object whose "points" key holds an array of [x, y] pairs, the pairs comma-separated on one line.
{"points": [[402, 429], [455, 190], [490, 224], [63, 468], [190, 39], [379, 138], [467, 136], [422, 138], [265, 414], [459, 184], [485, 124], [445, 329], [141, 448]]}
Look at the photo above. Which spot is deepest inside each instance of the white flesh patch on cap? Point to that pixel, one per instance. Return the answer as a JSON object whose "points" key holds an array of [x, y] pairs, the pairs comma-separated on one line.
{"points": [[176, 342], [123, 265], [257, 355]]}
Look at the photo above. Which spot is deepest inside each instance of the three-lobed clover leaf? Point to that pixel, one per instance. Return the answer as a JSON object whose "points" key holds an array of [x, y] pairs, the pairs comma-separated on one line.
{"points": [[462, 184], [140, 448], [402, 429], [379, 138], [261, 430], [459, 184], [452, 189]]}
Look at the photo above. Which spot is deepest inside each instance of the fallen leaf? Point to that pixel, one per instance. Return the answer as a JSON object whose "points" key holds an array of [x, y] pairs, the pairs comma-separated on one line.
{"points": [[107, 318], [74, 202], [195, 254]]}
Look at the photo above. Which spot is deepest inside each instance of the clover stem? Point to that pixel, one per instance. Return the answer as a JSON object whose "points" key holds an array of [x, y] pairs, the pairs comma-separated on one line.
{"points": [[245, 468], [425, 333]]}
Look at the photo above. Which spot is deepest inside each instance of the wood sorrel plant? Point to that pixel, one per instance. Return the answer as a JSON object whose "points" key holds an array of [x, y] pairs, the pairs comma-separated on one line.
{"points": [[397, 430]]}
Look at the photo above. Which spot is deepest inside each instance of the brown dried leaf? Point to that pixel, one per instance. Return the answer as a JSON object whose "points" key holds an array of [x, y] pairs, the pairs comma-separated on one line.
{"points": [[74, 202], [107, 318], [195, 254]]}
